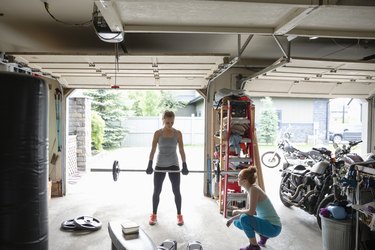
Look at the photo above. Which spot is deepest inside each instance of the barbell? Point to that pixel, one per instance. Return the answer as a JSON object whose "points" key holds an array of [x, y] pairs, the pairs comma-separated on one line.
{"points": [[116, 171]]}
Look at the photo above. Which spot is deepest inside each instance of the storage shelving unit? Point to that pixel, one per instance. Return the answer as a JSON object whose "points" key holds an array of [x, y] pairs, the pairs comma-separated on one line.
{"points": [[236, 149], [363, 172]]}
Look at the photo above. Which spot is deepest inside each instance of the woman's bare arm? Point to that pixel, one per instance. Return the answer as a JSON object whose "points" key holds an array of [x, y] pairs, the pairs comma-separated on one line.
{"points": [[154, 144], [181, 146]]}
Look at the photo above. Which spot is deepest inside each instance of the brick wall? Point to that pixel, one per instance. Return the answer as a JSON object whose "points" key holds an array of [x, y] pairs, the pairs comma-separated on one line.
{"points": [[80, 125]]}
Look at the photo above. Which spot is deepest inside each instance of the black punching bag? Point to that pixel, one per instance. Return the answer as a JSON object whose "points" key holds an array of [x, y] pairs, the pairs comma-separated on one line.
{"points": [[23, 162]]}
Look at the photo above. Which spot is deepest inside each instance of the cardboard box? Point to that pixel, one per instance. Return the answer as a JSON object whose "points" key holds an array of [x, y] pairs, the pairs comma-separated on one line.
{"points": [[56, 190]]}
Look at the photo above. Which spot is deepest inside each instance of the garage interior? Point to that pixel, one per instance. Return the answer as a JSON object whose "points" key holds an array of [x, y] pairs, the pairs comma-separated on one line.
{"points": [[304, 49]]}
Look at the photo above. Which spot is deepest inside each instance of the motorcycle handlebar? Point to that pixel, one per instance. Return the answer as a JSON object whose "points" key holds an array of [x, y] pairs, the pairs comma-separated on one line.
{"points": [[351, 144], [323, 151]]}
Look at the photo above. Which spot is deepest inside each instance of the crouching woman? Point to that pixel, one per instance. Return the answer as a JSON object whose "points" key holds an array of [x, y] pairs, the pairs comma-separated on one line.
{"points": [[260, 217]]}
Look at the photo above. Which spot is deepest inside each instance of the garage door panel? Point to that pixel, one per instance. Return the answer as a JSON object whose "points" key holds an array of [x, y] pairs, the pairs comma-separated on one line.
{"points": [[353, 88], [269, 86], [132, 71], [322, 78], [313, 88], [302, 69], [135, 82]]}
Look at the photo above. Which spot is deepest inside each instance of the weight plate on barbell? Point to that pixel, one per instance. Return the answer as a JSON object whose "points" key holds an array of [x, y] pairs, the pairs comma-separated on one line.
{"points": [[115, 170], [88, 223]]}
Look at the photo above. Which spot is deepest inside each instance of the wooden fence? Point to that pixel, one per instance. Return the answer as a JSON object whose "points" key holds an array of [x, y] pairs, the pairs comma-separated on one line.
{"points": [[141, 130]]}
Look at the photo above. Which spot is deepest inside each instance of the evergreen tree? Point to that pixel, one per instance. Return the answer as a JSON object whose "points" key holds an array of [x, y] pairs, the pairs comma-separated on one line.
{"points": [[268, 122], [109, 105]]}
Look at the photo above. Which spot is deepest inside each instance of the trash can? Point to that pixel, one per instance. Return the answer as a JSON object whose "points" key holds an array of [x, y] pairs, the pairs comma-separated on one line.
{"points": [[336, 234]]}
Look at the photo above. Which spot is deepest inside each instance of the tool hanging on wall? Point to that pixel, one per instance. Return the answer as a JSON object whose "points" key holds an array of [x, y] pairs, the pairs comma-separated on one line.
{"points": [[58, 100], [53, 160]]}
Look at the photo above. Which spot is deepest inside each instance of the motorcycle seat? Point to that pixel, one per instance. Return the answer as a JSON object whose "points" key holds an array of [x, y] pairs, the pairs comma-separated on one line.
{"points": [[306, 154], [300, 172]]}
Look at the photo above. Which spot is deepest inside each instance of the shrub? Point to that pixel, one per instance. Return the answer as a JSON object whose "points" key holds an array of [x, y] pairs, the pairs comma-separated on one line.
{"points": [[97, 131]]}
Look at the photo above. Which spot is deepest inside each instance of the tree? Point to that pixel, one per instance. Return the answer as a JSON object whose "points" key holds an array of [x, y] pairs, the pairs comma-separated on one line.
{"points": [[268, 121], [109, 105], [169, 102], [152, 103]]}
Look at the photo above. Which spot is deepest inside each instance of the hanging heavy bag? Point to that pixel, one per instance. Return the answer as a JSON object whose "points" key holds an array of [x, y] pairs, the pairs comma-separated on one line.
{"points": [[23, 168]]}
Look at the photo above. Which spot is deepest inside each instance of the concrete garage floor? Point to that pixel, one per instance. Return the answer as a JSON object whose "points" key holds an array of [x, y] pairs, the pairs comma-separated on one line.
{"points": [[96, 194]]}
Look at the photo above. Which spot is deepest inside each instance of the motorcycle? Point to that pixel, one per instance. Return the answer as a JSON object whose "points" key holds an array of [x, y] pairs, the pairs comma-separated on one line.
{"points": [[345, 153], [290, 155], [313, 188]]}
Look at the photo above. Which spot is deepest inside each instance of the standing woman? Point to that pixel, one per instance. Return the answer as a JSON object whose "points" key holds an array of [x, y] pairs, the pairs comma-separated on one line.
{"points": [[167, 139], [260, 217]]}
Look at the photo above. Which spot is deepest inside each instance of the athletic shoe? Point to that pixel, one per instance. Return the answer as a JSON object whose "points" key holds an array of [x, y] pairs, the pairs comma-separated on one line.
{"points": [[153, 219], [250, 247], [180, 220], [262, 241]]}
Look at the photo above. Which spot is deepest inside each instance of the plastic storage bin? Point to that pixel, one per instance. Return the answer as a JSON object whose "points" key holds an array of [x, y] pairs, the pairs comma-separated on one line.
{"points": [[336, 234]]}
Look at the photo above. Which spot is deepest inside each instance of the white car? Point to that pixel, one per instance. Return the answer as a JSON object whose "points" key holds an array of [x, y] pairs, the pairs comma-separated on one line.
{"points": [[348, 133]]}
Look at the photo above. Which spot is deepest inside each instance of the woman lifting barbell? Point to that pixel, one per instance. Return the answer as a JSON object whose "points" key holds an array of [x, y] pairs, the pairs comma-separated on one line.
{"points": [[167, 139]]}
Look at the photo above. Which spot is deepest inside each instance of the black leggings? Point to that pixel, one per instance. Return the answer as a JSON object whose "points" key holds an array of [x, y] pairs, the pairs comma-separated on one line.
{"points": [[158, 184]]}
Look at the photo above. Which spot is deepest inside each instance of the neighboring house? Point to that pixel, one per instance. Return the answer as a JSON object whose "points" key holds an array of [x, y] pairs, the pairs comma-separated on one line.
{"points": [[194, 103], [310, 120], [306, 119], [194, 107]]}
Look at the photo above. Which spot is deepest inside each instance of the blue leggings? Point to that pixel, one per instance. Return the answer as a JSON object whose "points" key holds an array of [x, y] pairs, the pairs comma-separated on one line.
{"points": [[252, 224]]}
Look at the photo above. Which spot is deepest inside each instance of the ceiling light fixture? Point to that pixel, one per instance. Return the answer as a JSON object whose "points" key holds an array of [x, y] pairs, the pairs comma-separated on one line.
{"points": [[313, 37]]}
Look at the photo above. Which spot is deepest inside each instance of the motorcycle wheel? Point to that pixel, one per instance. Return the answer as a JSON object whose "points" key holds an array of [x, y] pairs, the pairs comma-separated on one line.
{"points": [[270, 159], [324, 203], [281, 193]]}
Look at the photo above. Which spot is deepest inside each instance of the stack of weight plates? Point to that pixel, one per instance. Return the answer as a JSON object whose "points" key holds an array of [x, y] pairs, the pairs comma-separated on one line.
{"points": [[87, 223]]}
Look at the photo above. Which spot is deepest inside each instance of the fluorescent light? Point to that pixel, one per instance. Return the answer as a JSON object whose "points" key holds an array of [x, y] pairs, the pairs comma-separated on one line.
{"points": [[313, 37]]}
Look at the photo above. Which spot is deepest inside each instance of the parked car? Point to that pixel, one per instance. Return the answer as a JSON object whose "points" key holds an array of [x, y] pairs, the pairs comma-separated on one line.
{"points": [[347, 133]]}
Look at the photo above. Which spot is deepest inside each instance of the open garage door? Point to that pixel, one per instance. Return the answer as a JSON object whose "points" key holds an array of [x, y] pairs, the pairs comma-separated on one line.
{"points": [[139, 72], [318, 78]]}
